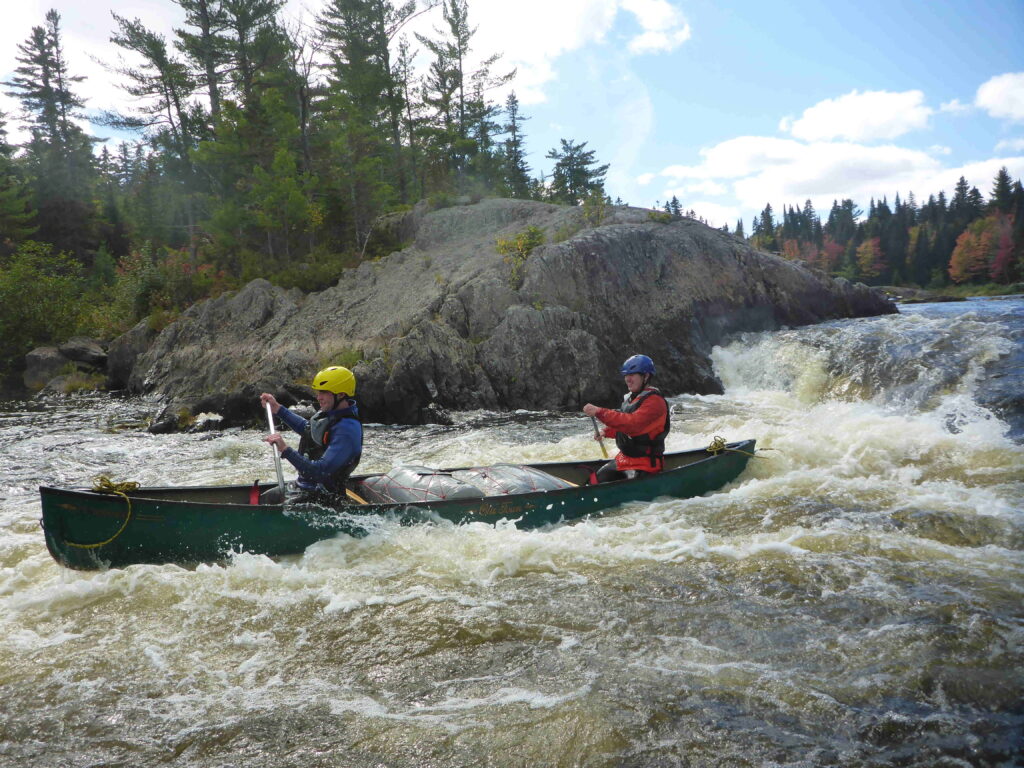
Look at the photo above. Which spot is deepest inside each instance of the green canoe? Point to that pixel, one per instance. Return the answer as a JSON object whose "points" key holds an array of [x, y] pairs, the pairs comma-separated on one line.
{"points": [[91, 530]]}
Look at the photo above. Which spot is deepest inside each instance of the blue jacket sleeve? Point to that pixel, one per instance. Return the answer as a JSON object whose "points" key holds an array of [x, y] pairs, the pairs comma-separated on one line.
{"points": [[295, 422], [343, 448]]}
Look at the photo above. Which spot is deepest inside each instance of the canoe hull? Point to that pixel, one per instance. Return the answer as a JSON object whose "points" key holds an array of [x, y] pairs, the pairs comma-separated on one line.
{"points": [[86, 530]]}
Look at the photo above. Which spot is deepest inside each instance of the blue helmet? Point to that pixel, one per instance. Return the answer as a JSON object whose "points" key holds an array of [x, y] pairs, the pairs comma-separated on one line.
{"points": [[638, 364]]}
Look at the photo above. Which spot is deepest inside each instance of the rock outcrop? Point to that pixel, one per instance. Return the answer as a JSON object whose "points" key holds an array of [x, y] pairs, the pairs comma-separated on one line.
{"points": [[77, 355], [447, 323]]}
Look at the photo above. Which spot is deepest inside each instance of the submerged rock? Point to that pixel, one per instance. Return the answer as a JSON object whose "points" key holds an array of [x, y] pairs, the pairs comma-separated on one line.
{"points": [[448, 323]]}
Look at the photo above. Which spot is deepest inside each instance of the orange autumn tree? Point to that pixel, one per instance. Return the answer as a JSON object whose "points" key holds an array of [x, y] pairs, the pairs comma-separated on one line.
{"points": [[974, 251], [869, 258]]}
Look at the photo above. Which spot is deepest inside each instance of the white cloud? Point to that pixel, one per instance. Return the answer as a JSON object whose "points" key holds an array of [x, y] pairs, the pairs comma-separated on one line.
{"points": [[940, 149], [1010, 145], [824, 171], [864, 116], [714, 214], [704, 187], [955, 106], [646, 178], [1003, 96], [568, 25], [664, 28], [735, 158]]}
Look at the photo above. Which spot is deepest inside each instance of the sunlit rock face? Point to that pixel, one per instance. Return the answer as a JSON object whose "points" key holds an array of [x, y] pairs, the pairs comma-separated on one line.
{"points": [[449, 323]]}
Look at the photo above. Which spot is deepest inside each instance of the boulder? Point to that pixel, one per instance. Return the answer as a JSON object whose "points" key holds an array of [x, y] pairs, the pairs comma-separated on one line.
{"points": [[449, 323], [84, 350], [43, 364], [124, 351]]}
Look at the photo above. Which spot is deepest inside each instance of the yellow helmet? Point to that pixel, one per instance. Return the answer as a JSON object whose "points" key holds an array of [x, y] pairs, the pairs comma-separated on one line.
{"points": [[336, 379]]}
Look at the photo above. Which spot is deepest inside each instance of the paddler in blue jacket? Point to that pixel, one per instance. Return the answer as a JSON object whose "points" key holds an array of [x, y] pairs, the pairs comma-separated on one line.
{"points": [[332, 440]]}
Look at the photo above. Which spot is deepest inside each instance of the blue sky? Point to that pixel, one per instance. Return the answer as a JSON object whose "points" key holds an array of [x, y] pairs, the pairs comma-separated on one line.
{"points": [[727, 105]]}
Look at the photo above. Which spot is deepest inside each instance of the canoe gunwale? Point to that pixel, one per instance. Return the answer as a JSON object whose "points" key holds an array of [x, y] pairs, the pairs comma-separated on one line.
{"points": [[140, 494]]}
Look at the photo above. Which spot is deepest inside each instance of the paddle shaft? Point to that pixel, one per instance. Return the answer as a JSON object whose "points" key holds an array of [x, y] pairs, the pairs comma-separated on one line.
{"points": [[597, 431], [277, 456]]}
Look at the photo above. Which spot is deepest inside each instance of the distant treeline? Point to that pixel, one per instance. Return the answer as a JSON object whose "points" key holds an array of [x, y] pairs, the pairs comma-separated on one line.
{"points": [[966, 240]]}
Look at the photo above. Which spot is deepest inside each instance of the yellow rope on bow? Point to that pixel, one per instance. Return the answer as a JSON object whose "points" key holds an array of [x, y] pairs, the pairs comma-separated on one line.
{"points": [[103, 484], [718, 445]]}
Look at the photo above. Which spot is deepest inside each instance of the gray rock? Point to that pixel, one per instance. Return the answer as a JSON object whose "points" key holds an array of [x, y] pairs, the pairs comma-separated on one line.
{"points": [[441, 325], [43, 364], [84, 350], [124, 351]]}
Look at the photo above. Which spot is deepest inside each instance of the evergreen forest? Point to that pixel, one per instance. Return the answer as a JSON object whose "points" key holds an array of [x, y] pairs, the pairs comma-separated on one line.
{"points": [[262, 149]]}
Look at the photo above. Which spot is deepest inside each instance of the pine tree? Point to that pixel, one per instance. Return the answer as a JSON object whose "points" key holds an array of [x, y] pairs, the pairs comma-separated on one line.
{"points": [[575, 176], [412, 121], [162, 86], [279, 198], [207, 47], [253, 44], [739, 229], [16, 214], [59, 154], [357, 81], [842, 221], [1002, 192], [113, 227], [462, 124], [975, 203], [959, 206], [516, 170], [812, 224], [766, 230]]}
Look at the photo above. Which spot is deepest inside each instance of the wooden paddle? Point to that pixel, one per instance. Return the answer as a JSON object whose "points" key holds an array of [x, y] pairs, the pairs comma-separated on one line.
{"points": [[277, 456]]}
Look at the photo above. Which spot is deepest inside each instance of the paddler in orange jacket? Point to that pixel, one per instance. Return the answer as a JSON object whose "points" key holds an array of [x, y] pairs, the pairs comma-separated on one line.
{"points": [[639, 426]]}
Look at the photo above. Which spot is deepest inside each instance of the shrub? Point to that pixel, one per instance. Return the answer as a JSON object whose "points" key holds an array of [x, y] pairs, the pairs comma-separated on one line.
{"points": [[595, 208], [348, 357], [517, 249], [40, 301]]}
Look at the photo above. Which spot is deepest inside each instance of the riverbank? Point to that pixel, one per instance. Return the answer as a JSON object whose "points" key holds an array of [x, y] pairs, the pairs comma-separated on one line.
{"points": [[909, 294]]}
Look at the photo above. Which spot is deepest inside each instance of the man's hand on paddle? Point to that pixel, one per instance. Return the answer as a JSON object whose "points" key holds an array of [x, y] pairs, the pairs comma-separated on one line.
{"points": [[265, 398], [277, 441]]}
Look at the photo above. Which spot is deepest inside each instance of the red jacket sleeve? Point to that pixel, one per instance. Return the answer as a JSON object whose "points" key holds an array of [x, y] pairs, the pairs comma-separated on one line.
{"points": [[648, 419]]}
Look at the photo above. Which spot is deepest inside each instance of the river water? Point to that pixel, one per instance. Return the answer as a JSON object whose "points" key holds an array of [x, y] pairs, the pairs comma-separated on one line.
{"points": [[854, 599]]}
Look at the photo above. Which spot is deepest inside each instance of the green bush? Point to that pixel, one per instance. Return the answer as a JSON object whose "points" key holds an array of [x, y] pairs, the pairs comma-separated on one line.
{"points": [[320, 270], [348, 357], [40, 301]]}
